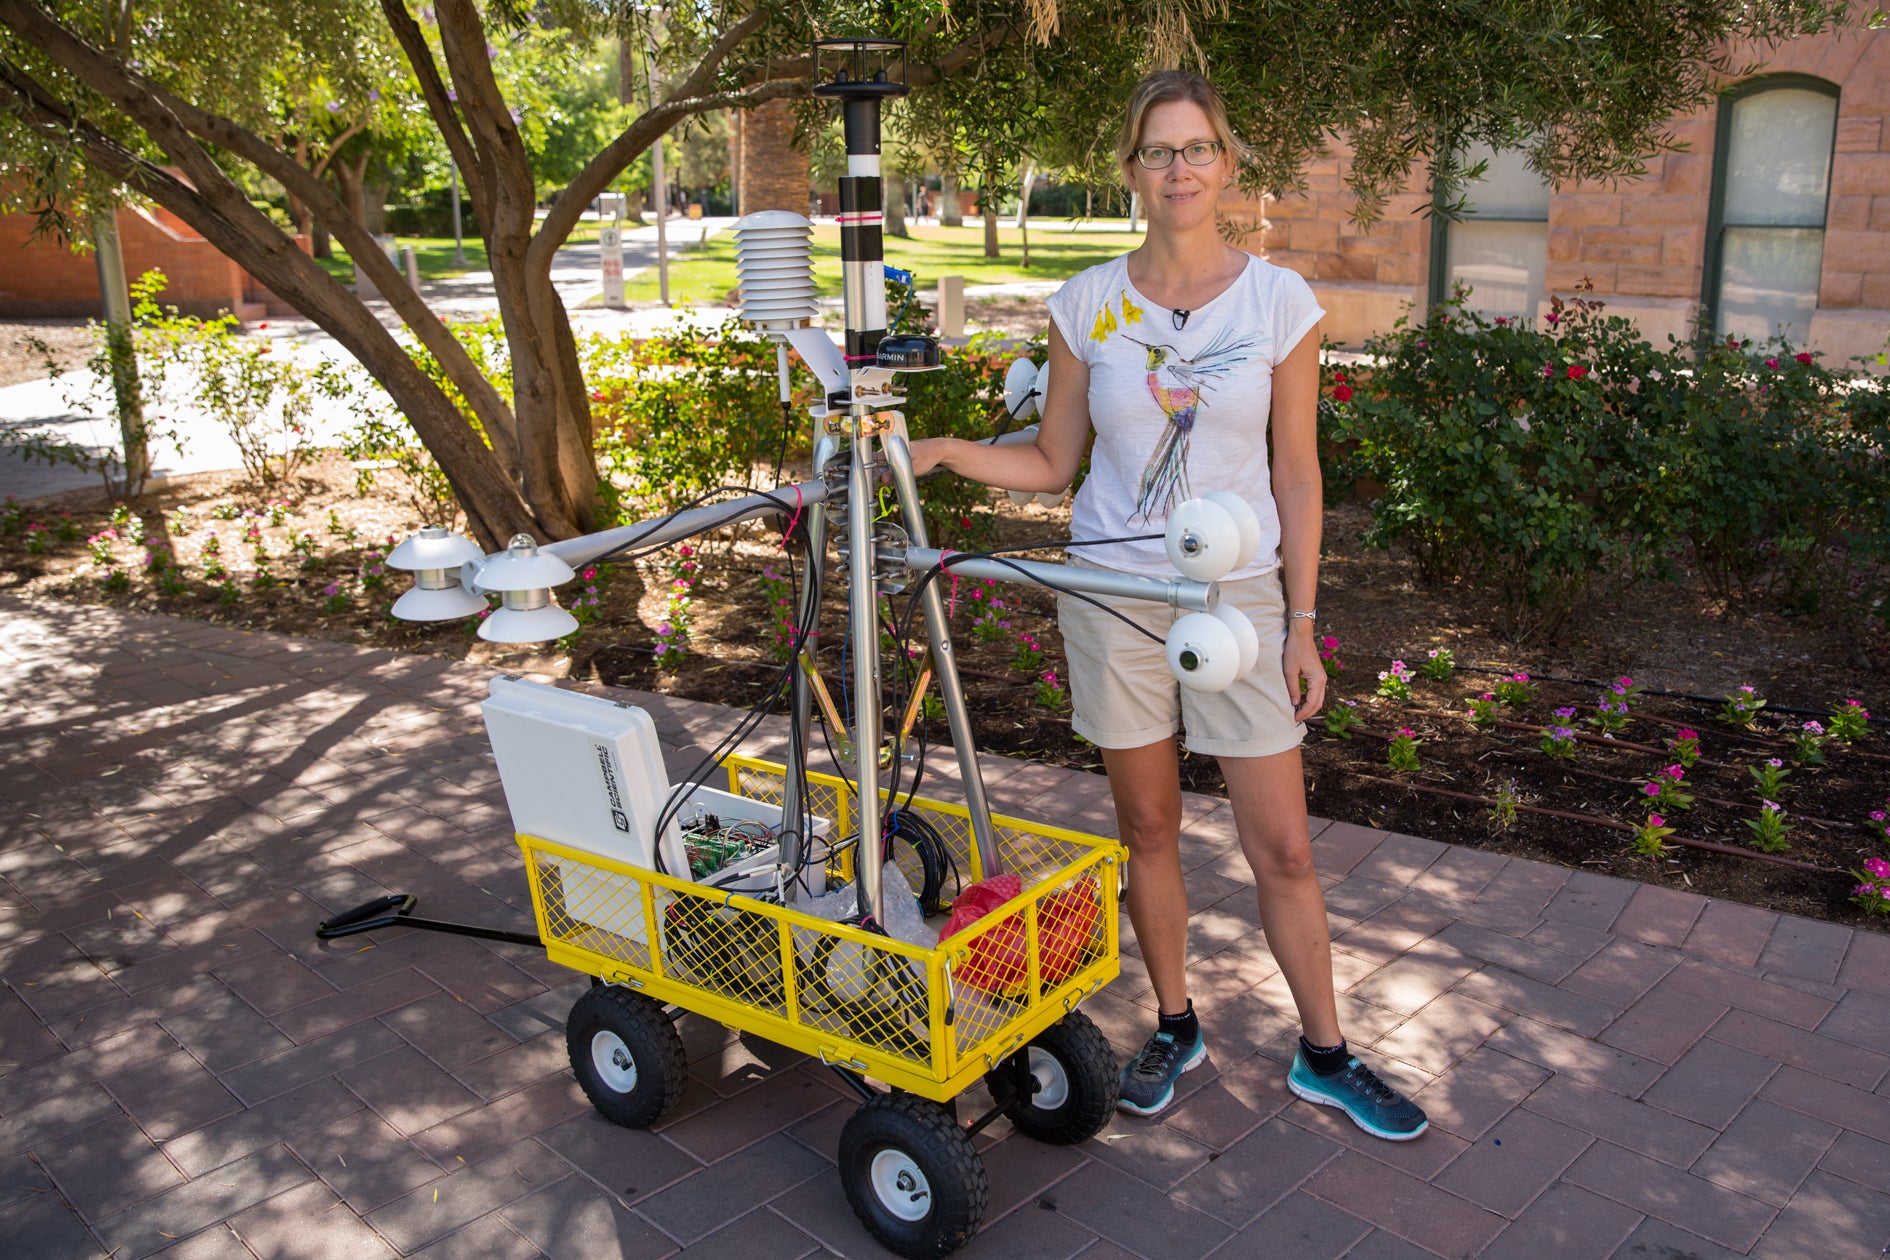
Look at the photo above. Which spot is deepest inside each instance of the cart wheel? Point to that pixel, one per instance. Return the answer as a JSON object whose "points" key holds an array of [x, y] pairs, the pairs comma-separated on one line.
{"points": [[912, 1176], [627, 1055], [1076, 1083]]}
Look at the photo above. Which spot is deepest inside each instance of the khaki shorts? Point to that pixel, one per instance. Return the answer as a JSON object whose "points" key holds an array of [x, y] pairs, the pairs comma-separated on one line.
{"points": [[1124, 695]]}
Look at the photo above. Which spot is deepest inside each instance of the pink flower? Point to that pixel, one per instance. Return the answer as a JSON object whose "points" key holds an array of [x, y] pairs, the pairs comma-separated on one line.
{"points": [[1624, 681], [1652, 789], [1774, 807], [1675, 772], [1553, 317], [1407, 732], [1772, 363], [1687, 732], [590, 575], [1877, 815], [1655, 820], [1877, 867]]}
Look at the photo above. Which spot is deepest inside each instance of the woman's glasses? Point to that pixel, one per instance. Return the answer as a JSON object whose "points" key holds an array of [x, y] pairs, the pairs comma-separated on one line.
{"points": [[1159, 157]]}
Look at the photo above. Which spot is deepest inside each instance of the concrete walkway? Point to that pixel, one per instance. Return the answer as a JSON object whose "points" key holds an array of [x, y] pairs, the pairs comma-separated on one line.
{"points": [[1612, 1069]]}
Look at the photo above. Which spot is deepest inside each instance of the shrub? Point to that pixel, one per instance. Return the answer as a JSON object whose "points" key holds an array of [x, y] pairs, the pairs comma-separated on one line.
{"points": [[1509, 455], [1554, 463]]}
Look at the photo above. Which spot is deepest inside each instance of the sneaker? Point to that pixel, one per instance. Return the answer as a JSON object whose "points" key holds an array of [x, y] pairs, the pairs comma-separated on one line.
{"points": [[1148, 1083], [1357, 1091]]}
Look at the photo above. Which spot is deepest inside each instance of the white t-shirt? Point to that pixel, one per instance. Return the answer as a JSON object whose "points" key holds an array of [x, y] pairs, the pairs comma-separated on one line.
{"points": [[1178, 412]]}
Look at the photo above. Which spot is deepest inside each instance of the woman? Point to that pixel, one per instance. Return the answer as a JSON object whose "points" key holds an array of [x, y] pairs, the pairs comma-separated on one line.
{"points": [[1175, 356]]}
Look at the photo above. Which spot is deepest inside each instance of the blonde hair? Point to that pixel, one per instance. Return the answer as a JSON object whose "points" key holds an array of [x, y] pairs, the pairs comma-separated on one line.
{"points": [[1167, 86]]}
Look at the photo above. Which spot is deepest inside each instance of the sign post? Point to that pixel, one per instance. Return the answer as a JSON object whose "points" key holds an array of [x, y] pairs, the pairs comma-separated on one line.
{"points": [[611, 241]]}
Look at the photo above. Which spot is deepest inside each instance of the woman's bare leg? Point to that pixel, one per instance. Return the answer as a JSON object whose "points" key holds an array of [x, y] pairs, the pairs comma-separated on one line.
{"points": [[1146, 784], [1269, 799]]}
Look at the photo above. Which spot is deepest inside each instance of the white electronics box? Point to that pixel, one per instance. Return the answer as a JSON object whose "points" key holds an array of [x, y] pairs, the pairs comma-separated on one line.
{"points": [[587, 772], [581, 770], [754, 874]]}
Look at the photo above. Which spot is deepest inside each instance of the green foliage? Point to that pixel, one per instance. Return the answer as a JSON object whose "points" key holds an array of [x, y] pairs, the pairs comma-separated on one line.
{"points": [[1559, 463]]}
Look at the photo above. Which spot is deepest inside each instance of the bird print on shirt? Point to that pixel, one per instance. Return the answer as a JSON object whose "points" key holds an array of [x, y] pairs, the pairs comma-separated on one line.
{"points": [[1179, 386]]}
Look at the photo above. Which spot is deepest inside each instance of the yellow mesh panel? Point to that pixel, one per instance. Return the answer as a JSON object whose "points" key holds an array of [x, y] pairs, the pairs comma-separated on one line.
{"points": [[593, 909], [872, 996], [715, 947]]}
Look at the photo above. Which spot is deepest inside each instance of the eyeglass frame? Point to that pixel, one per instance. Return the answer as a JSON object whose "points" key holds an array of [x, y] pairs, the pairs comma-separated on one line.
{"points": [[1215, 147]]}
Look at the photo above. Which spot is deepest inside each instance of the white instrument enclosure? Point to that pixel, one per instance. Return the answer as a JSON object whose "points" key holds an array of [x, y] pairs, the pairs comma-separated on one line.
{"points": [[587, 772], [755, 874]]}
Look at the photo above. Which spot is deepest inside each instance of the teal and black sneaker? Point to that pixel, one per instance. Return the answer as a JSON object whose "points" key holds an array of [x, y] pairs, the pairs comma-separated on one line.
{"points": [[1148, 1083], [1373, 1105]]}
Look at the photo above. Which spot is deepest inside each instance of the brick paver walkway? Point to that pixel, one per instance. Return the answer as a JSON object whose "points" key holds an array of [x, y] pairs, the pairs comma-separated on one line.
{"points": [[1611, 1069]]}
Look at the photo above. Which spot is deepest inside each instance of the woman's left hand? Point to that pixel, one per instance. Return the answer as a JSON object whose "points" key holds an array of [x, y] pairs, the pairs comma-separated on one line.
{"points": [[1305, 674]]}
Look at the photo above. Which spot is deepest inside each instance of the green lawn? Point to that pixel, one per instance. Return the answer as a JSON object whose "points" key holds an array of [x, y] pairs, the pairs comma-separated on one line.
{"points": [[436, 258], [1056, 253], [705, 274]]}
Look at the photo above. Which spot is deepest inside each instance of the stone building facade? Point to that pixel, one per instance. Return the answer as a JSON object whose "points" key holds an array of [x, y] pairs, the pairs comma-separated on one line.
{"points": [[1774, 219]]}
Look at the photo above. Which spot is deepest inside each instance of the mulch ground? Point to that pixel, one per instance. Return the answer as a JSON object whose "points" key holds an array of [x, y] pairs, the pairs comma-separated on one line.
{"points": [[1668, 638]]}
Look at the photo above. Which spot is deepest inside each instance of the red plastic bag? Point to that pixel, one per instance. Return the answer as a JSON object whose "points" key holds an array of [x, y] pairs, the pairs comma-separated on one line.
{"points": [[999, 961]]}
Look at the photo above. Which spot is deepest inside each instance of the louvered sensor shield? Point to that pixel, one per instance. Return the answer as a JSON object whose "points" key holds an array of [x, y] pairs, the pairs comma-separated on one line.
{"points": [[774, 262]]}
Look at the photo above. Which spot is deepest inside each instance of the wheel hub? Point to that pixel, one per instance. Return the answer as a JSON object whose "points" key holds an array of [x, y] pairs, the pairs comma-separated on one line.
{"points": [[612, 1059], [1053, 1083], [900, 1185]]}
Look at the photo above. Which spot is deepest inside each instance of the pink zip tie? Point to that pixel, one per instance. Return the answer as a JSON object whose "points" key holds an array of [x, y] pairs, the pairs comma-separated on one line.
{"points": [[951, 609], [792, 520]]}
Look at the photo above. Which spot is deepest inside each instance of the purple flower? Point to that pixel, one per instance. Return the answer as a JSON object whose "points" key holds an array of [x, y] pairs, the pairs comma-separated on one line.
{"points": [[1565, 714], [1775, 763]]}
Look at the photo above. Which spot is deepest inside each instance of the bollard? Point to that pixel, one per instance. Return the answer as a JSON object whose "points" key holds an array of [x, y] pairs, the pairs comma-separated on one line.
{"points": [[951, 306], [410, 259]]}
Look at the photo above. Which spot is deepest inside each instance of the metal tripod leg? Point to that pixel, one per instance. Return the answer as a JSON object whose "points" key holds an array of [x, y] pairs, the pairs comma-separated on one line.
{"points": [[794, 809], [986, 858], [863, 630]]}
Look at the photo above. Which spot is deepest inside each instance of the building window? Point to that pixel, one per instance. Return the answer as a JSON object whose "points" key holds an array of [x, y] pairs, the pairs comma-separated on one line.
{"points": [[1765, 227], [1500, 248]]}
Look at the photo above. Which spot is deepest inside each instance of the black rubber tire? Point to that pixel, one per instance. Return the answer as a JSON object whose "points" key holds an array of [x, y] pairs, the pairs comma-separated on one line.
{"points": [[930, 1137], [647, 1038], [1090, 1075]]}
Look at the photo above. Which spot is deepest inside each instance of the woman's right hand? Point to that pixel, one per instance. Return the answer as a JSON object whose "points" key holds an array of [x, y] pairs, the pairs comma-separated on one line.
{"points": [[927, 454]]}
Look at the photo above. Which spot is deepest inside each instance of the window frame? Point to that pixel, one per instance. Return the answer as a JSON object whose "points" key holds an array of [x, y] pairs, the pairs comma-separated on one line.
{"points": [[1439, 283], [1712, 257]]}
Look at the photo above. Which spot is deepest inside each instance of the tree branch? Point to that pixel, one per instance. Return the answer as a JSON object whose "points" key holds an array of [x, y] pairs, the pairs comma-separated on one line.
{"points": [[413, 44], [174, 124], [627, 147]]}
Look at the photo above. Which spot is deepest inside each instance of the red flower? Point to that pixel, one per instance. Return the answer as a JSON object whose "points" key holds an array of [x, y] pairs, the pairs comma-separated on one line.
{"points": [[1339, 377], [964, 522], [1802, 357], [597, 395], [1576, 371], [1343, 393]]}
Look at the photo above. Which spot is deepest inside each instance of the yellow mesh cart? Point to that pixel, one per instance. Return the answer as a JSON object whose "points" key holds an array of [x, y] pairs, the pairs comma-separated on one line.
{"points": [[995, 1003]]}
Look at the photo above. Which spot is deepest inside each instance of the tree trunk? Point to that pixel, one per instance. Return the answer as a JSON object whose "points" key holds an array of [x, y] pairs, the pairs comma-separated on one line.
{"points": [[351, 176], [774, 173], [950, 214], [987, 205], [896, 208]]}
